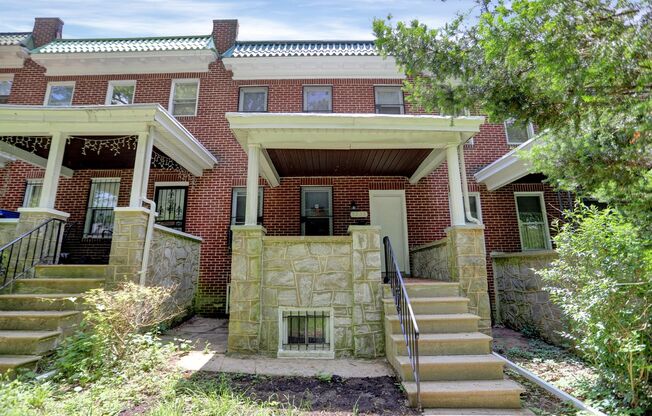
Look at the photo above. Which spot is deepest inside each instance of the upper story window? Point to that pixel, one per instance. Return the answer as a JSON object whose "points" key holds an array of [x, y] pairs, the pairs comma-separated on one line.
{"points": [[120, 92], [5, 87], [183, 98], [59, 94], [318, 98], [253, 99], [518, 132], [389, 100]]}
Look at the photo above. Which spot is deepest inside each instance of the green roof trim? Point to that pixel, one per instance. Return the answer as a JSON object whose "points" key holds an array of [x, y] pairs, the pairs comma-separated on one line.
{"points": [[16, 38], [302, 48], [143, 44]]}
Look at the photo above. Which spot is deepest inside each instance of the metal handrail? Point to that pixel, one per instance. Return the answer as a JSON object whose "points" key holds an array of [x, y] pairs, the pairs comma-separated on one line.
{"points": [[38, 246], [406, 317]]}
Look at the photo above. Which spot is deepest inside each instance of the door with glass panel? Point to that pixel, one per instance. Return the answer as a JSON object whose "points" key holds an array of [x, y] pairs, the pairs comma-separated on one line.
{"points": [[532, 221], [171, 206], [316, 210]]}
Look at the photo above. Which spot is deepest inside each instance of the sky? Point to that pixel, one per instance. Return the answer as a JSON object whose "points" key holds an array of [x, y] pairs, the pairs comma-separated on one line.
{"points": [[259, 19]]}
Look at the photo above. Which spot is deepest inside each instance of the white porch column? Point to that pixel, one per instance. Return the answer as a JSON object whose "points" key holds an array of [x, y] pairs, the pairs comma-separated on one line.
{"points": [[455, 186], [251, 212], [142, 162], [52, 171]]}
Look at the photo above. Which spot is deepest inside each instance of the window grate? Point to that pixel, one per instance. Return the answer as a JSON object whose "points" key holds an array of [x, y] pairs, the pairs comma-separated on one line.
{"points": [[171, 206], [99, 214], [306, 331]]}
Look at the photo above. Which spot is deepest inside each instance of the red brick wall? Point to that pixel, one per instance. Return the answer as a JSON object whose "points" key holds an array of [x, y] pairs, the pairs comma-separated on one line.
{"points": [[209, 197]]}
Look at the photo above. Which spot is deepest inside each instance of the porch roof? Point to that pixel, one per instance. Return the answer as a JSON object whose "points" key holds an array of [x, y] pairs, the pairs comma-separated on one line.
{"points": [[509, 168], [316, 144], [170, 136]]}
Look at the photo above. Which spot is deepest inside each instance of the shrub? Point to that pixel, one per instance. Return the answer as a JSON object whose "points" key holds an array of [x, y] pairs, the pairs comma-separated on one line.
{"points": [[112, 329], [602, 281]]}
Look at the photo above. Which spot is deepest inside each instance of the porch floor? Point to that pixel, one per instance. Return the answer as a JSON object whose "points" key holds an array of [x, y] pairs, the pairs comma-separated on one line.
{"points": [[209, 339]]}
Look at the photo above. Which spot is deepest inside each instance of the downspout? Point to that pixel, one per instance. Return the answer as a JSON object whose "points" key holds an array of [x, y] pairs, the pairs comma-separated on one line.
{"points": [[465, 187], [148, 239]]}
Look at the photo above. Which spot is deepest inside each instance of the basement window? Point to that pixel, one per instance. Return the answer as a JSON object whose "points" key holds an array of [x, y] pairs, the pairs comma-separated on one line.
{"points": [[305, 332]]}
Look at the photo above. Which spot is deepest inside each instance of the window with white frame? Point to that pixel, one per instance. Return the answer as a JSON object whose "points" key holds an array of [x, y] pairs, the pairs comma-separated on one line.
{"points": [[6, 81], [239, 204], [474, 206], [389, 100], [183, 97], [518, 132], [120, 92], [59, 94], [253, 99], [318, 98], [305, 330], [316, 210], [532, 221], [103, 198], [32, 193]]}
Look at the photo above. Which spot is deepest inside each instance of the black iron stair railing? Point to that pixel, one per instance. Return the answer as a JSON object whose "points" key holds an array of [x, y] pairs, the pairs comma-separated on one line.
{"points": [[406, 316], [38, 246]]}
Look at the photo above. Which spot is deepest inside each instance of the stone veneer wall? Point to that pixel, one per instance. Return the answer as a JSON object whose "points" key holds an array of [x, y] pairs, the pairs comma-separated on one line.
{"points": [[174, 262], [521, 301], [431, 261], [338, 273]]}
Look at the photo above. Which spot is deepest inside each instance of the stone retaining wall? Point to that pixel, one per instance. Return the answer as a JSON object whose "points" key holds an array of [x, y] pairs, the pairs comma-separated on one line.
{"points": [[521, 302], [174, 262], [431, 261], [7, 230]]}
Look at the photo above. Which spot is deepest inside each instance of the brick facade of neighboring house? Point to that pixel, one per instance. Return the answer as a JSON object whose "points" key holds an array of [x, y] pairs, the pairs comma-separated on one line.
{"points": [[210, 196]]}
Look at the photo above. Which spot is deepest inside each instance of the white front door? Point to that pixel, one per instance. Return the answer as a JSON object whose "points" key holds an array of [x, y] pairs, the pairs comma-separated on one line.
{"points": [[388, 210]]}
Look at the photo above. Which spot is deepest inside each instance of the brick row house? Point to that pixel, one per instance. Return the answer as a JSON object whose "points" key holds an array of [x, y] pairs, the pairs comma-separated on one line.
{"points": [[299, 148]]}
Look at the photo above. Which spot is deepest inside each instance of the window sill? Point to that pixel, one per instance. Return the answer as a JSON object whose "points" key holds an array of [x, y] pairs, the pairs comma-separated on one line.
{"points": [[316, 355]]}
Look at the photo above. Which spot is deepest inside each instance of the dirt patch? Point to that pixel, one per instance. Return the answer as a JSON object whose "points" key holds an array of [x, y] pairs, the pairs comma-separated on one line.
{"points": [[328, 395]]}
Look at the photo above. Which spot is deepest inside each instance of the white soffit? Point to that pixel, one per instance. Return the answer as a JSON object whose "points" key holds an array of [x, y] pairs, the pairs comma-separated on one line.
{"points": [[12, 56], [306, 67], [507, 169], [125, 62]]}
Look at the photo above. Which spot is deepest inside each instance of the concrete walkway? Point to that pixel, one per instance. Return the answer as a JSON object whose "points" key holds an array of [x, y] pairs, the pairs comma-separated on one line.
{"points": [[209, 339]]}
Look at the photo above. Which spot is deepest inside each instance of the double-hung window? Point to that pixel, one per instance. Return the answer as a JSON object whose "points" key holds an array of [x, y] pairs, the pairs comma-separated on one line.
{"points": [[389, 100], [253, 99], [518, 132], [120, 92], [171, 200], [316, 210], [99, 213], [6, 81], [532, 221], [183, 97], [59, 94], [318, 99], [32, 193], [239, 204]]}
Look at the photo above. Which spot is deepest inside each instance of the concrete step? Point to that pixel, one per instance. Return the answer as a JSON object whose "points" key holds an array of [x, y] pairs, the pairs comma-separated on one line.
{"points": [[442, 323], [12, 362], [491, 394], [28, 342], [55, 285], [465, 343], [41, 302], [40, 320], [432, 306], [73, 271], [427, 289], [452, 367], [477, 412]]}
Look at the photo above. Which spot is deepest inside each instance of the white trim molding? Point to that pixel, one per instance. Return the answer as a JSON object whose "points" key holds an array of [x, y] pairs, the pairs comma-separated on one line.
{"points": [[509, 168], [312, 67]]}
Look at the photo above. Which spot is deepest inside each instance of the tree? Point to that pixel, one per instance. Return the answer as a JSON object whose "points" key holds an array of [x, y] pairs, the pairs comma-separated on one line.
{"points": [[581, 70]]}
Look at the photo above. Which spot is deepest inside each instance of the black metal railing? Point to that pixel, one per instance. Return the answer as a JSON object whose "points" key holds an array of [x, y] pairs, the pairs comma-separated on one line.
{"points": [[41, 245], [306, 330], [406, 316]]}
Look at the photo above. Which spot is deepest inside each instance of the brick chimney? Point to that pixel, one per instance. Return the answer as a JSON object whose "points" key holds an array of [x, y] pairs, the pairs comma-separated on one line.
{"points": [[225, 33], [46, 29]]}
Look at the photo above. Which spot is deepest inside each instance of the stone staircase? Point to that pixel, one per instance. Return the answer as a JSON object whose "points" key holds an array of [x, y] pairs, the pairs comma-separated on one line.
{"points": [[458, 373], [37, 313]]}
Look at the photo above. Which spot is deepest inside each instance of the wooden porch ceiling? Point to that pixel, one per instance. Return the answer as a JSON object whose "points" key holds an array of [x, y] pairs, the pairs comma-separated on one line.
{"points": [[357, 162]]}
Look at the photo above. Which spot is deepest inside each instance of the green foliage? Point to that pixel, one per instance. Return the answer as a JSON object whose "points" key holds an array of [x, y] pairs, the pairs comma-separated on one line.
{"points": [[581, 70], [602, 281]]}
